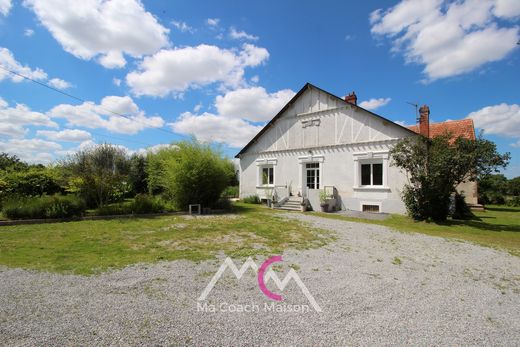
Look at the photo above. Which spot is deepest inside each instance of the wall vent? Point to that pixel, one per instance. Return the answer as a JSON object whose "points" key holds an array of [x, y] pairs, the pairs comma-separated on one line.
{"points": [[371, 208]]}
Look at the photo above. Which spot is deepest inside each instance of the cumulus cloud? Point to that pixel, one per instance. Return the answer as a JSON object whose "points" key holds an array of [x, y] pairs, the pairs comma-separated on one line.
{"points": [[31, 150], [67, 135], [236, 110], [253, 104], [241, 35], [8, 60], [106, 115], [502, 119], [449, 39], [373, 104], [209, 127], [106, 30], [59, 84], [14, 119], [172, 71], [5, 7]]}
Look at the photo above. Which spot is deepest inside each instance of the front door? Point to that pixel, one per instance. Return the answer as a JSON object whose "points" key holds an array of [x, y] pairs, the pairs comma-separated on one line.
{"points": [[312, 171]]}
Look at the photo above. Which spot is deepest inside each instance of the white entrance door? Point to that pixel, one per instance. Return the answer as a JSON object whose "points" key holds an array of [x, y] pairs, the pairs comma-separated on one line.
{"points": [[312, 175]]}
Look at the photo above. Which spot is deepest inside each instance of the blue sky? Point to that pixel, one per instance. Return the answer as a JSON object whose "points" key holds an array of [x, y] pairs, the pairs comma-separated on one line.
{"points": [[220, 70]]}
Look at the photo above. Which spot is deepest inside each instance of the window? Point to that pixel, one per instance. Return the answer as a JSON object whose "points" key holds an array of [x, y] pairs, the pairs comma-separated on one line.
{"points": [[372, 174], [267, 175], [312, 171], [371, 208]]}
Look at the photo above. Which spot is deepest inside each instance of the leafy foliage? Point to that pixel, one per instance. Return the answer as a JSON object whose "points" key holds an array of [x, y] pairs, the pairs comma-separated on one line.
{"points": [[190, 173], [56, 206], [251, 199], [142, 204], [436, 166], [99, 174], [137, 175]]}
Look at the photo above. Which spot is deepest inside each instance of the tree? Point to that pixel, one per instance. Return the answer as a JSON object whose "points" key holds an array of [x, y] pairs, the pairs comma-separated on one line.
{"points": [[514, 186], [138, 176], [436, 166], [11, 162], [492, 189], [191, 173], [99, 174]]}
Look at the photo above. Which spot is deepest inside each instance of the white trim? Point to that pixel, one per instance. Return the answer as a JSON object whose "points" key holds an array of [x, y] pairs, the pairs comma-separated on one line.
{"points": [[268, 161]]}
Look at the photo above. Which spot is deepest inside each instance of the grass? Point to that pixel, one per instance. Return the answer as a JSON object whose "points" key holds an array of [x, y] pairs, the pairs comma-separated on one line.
{"points": [[497, 227], [88, 247]]}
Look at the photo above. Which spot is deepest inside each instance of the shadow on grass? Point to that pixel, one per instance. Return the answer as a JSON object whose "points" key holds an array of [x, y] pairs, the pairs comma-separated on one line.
{"points": [[478, 223]]}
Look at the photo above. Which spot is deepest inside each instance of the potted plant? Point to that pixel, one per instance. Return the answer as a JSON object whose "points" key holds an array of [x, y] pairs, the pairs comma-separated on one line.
{"points": [[323, 201]]}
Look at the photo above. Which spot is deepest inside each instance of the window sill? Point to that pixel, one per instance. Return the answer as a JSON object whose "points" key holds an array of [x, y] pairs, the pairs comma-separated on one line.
{"points": [[267, 186], [372, 188]]}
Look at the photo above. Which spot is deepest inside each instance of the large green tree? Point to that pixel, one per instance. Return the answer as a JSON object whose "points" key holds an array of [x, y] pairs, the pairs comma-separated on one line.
{"points": [[436, 166], [99, 174], [190, 173]]}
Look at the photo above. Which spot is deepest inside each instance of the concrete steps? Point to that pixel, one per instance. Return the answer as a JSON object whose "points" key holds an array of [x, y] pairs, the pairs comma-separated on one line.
{"points": [[292, 204]]}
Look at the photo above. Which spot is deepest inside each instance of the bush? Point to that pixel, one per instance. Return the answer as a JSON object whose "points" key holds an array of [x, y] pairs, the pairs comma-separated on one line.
{"points": [[493, 198], [461, 209], [56, 206], [189, 173], [143, 203], [230, 192], [223, 204], [514, 202], [252, 199]]}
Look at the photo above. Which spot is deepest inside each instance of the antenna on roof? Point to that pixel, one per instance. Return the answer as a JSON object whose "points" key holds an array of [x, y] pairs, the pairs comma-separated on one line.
{"points": [[416, 105]]}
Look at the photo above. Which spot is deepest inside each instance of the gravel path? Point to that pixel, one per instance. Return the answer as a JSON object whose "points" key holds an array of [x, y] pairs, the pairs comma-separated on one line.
{"points": [[375, 287]]}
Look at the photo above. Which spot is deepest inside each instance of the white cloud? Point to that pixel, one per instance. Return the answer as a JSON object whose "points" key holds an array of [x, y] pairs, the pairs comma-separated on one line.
{"points": [[116, 81], [7, 59], [401, 123], [253, 104], [197, 108], [241, 35], [14, 119], [516, 144], [67, 135], [213, 128], [213, 21], [448, 39], [507, 8], [173, 71], [182, 26], [235, 112], [31, 150], [59, 84], [103, 29], [28, 32], [373, 104], [502, 119], [91, 115], [5, 7]]}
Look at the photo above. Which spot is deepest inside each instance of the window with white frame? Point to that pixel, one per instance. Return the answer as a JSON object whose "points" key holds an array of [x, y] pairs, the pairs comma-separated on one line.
{"points": [[267, 175], [372, 174], [312, 171]]}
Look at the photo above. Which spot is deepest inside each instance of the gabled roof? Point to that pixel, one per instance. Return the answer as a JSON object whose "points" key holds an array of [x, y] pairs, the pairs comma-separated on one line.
{"points": [[294, 98], [457, 128]]}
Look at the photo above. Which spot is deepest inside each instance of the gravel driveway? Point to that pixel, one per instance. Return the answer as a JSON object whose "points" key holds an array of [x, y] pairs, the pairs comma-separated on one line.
{"points": [[375, 287]]}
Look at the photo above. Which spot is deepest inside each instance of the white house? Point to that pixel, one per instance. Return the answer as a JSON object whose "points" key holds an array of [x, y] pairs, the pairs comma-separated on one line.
{"points": [[320, 142]]}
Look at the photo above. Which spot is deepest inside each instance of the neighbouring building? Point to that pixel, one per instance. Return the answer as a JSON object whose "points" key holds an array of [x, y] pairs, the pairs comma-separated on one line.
{"points": [[319, 142]]}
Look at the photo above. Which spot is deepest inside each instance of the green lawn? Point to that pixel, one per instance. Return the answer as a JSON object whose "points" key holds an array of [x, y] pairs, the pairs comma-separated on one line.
{"points": [[497, 227], [87, 247]]}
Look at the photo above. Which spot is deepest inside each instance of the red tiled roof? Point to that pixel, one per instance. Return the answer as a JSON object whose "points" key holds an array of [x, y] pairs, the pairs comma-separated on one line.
{"points": [[458, 128]]}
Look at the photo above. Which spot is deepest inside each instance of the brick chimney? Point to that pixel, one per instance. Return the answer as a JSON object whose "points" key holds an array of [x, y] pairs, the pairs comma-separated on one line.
{"points": [[351, 98], [424, 121]]}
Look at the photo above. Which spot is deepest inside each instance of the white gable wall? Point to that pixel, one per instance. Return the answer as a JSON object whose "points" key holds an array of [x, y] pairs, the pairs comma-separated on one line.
{"points": [[321, 128]]}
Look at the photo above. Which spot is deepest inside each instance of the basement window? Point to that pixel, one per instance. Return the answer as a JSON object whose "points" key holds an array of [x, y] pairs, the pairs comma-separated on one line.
{"points": [[370, 208]]}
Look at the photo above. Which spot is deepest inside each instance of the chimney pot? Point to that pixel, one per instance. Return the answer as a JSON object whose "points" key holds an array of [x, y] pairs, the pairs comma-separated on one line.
{"points": [[424, 121], [351, 98]]}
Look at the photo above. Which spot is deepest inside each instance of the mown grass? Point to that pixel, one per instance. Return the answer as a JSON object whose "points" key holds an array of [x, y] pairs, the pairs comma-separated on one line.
{"points": [[497, 227], [87, 247]]}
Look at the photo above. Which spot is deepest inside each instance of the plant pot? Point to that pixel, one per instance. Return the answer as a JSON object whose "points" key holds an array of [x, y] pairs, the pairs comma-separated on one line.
{"points": [[324, 207], [303, 207]]}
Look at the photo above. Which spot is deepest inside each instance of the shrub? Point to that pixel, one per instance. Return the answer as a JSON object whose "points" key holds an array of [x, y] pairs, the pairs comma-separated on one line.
{"points": [[252, 199], [189, 173], [461, 210], [223, 204], [230, 192], [493, 198], [143, 203], [56, 206], [514, 202]]}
